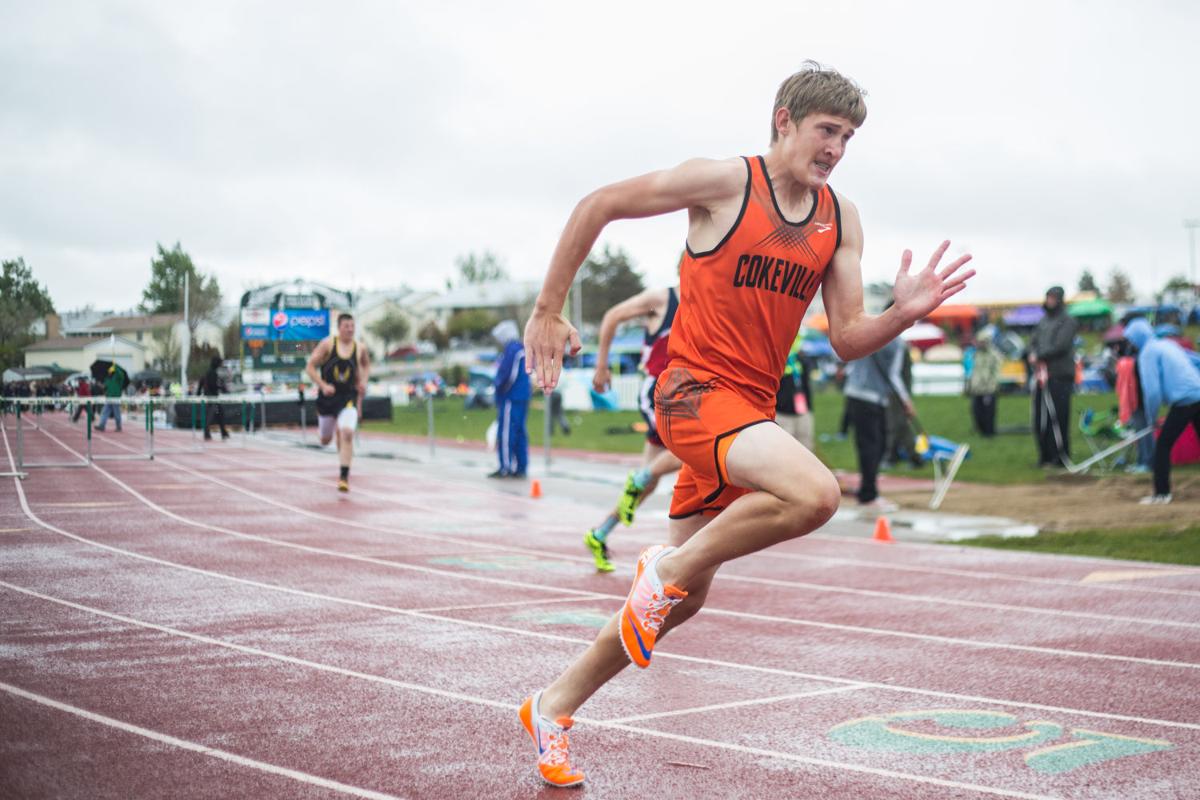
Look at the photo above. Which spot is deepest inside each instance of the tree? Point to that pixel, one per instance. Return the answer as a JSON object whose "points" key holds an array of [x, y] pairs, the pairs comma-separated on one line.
{"points": [[1179, 283], [391, 327], [1087, 283], [482, 268], [231, 337], [164, 293], [1120, 290], [22, 301], [471, 324], [607, 280], [430, 332], [166, 353]]}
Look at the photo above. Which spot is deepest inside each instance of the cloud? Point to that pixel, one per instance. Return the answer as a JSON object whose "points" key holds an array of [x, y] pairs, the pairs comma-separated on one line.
{"points": [[376, 142]]}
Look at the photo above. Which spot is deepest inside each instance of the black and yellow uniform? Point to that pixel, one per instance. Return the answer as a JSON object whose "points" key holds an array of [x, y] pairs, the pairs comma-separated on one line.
{"points": [[341, 372]]}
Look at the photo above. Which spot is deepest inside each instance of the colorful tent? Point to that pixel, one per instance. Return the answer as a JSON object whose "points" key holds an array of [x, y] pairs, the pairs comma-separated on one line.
{"points": [[923, 335], [1098, 307], [1024, 316]]}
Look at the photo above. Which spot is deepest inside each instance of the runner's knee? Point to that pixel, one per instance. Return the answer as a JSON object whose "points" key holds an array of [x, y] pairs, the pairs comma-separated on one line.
{"points": [[812, 501]]}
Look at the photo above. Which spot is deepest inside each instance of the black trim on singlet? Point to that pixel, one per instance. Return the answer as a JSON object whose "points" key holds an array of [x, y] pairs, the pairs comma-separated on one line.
{"points": [[697, 511], [816, 198], [837, 217], [741, 213], [668, 317], [721, 483]]}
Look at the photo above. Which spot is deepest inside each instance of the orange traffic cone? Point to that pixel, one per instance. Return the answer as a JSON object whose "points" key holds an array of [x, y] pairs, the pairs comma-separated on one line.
{"points": [[883, 530], [535, 488]]}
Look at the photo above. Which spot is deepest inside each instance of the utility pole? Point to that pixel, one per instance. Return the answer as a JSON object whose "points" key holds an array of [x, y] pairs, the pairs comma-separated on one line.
{"points": [[1191, 225], [186, 347], [577, 301]]}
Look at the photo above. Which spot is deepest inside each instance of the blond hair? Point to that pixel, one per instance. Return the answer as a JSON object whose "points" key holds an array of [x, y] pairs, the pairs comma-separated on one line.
{"points": [[818, 89]]}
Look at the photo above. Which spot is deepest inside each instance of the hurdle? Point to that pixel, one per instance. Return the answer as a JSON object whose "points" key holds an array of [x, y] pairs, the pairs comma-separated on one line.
{"points": [[946, 457]]}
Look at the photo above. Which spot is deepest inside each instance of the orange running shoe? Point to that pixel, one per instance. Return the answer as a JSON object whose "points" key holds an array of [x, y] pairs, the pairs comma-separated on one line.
{"points": [[343, 485], [550, 739], [647, 607]]}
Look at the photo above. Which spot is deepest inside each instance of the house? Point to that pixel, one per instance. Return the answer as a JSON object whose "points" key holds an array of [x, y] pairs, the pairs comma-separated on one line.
{"points": [[505, 299], [77, 353], [160, 335], [371, 307]]}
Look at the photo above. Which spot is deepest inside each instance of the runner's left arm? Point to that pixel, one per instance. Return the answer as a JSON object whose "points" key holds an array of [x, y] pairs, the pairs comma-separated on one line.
{"points": [[854, 333], [364, 370]]}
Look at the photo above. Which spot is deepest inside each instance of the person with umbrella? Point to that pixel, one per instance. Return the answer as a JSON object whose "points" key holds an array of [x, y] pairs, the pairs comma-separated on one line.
{"points": [[115, 381]]}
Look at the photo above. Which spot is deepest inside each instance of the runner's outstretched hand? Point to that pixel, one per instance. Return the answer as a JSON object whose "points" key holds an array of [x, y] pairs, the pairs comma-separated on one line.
{"points": [[546, 337], [918, 294]]}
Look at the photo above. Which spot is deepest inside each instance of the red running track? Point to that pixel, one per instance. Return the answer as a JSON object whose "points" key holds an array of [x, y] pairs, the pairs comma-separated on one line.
{"points": [[224, 624]]}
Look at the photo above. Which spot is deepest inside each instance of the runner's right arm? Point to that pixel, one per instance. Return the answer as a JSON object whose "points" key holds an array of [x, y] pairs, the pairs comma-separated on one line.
{"points": [[319, 354], [702, 186], [645, 304]]}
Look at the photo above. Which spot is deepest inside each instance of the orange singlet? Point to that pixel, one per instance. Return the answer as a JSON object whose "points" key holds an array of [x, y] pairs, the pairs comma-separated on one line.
{"points": [[740, 307]]}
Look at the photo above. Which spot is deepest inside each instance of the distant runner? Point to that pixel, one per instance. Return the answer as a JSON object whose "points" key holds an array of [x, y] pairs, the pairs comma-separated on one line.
{"points": [[656, 308], [339, 367]]}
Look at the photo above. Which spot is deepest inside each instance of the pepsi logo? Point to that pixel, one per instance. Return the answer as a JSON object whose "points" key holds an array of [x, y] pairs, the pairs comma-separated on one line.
{"points": [[280, 320]]}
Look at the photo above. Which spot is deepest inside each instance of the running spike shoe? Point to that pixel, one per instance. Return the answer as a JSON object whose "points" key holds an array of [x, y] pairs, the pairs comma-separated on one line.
{"points": [[628, 503], [647, 606], [550, 741], [599, 551]]}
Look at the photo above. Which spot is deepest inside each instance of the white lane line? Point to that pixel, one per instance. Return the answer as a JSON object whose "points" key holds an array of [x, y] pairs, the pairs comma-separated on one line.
{"points": [[939, 601], [515, 603], [460, 697], [710, 610], [758, 701], [946, 601], [184, 744], [574, 640]]}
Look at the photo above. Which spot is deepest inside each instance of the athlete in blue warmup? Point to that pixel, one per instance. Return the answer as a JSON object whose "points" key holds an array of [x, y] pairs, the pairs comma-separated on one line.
{"points": [[512, 403]]}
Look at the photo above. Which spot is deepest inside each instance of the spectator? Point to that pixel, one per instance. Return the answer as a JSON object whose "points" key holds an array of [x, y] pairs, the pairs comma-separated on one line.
{"points": [[870, 383], [794, 401], [983, 383], [1168, 374], [901, 441], [211, 385], [512, 402], [1052, 359], [114, 387], [1131, 409], [83, 390]]}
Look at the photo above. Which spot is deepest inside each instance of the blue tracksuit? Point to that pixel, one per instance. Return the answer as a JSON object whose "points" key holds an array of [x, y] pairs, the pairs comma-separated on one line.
{"points": [[512, 406]]}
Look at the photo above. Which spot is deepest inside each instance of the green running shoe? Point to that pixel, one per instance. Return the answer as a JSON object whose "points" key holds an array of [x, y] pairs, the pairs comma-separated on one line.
{"points": [[599, 552], [629, 501]]}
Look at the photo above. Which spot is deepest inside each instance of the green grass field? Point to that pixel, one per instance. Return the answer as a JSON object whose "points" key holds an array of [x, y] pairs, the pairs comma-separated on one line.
{"points": [[1160, 544]]}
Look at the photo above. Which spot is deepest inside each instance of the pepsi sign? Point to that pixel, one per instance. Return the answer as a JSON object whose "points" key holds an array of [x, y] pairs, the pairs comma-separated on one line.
{"points": [[303, 325], [256, 332]]}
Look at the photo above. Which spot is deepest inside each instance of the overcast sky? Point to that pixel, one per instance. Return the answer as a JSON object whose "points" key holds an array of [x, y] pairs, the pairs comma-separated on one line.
{"points": [[367, 144]]}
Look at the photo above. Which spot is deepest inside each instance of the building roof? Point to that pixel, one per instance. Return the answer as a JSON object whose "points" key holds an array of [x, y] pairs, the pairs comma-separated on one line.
{"points": [[77, 343], [143, 322], [487, 295]]}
